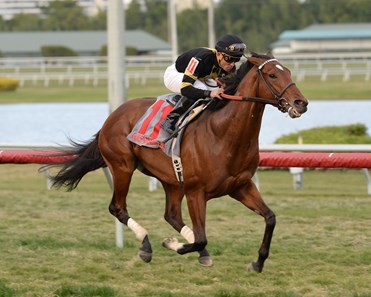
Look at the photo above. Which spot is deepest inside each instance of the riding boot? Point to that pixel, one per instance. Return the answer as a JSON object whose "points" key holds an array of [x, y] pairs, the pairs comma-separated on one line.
{"points": [[169, 123]]}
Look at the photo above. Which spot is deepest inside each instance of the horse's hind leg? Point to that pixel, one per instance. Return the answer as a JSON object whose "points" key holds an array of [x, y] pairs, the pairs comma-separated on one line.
{"points": [[122, 172], [173, 215], [250, 197]]}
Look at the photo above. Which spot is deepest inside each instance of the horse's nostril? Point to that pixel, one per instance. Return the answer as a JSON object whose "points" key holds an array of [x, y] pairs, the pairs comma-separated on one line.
{"points": [[301, 103]]}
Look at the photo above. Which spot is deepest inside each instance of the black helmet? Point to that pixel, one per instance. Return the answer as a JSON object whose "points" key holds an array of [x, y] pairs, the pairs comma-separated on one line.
{"points": [[231, 45]]}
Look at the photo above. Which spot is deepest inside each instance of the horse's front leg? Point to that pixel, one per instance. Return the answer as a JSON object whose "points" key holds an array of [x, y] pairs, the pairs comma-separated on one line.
{"points": [[249, 196], [173, 215], [197, 210]]}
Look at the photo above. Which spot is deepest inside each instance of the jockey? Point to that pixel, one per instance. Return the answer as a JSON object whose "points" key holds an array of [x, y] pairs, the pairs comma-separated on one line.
{"points": [[194, 72]]}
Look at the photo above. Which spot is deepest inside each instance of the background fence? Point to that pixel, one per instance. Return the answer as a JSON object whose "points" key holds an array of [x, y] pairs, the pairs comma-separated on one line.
{"points": [[92, 70]]}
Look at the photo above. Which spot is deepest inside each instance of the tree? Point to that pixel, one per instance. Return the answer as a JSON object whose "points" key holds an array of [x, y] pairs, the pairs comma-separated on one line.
{"points": [[99, 21], [134, 16], [25, 22], [3, 25], [339, 11], [156, 21], [192, 29], [258, 23], [64, 15]]}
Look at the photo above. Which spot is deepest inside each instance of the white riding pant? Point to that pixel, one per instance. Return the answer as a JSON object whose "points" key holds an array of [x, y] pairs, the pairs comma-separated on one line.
{"points": [[173, 80]]}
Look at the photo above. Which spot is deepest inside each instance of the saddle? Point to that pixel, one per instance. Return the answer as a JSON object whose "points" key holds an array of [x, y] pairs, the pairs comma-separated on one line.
{"points": [[147, 131]]}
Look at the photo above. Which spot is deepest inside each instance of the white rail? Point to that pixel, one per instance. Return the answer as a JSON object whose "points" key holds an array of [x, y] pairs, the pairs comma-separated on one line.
{"points": [[93, 69], [315, 148], [155, 59], [87, 78]]}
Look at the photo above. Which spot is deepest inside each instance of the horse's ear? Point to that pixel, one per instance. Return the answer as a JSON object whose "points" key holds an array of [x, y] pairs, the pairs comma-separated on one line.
{"points": [[254, 59], [270, 54]]}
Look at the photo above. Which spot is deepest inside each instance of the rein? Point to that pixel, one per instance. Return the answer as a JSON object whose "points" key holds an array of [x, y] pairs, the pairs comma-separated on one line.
{"points": [[280, 102], [251, 99]]}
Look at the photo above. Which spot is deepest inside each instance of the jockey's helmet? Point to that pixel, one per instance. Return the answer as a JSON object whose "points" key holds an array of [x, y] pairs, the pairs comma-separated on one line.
{"points": [[231, 45]]}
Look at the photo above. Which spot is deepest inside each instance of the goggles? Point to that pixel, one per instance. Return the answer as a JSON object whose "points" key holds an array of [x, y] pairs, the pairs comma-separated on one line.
{"points": [[236, 47], [230, 59]]}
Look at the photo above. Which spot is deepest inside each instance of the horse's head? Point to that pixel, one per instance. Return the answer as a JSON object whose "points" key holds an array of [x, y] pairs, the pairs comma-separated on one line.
{"points": [[274, 82]]}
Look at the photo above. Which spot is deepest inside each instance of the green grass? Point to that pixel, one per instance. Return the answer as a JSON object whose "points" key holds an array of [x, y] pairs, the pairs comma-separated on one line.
{"points": [[80, 92], [54, 243], [335, 88]]}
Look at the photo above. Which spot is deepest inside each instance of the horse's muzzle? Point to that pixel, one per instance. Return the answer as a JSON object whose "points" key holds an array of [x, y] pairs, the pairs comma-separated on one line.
{"points": [[299, 107]]}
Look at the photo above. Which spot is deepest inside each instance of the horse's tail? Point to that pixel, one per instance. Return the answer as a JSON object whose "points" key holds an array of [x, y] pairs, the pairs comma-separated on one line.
{"points": [[86, 157]]}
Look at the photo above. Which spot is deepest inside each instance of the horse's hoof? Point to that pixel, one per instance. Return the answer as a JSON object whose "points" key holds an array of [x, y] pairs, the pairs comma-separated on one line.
{"points": [[253, 267], [205, 261], [145, 256]]}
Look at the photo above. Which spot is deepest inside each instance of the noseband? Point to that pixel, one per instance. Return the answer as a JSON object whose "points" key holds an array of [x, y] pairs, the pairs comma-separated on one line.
{"points": [[279, 101]]}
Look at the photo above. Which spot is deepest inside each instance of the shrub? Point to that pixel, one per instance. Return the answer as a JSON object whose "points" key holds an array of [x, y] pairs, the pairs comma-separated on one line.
{"points": [[57, 51], [8, 84], [130, 51], [357, 130]]}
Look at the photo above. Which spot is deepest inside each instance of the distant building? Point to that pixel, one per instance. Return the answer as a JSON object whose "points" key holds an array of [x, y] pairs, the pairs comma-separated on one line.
{"points": [[325, 38], [85, 43]]}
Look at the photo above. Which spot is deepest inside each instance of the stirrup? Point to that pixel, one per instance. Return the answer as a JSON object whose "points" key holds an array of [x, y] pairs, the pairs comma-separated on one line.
{"points": [[168, 125]]}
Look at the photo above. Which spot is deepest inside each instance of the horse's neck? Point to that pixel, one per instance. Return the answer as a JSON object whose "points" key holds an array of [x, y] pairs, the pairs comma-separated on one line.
{"points": [[243, 119], [247, 120]]}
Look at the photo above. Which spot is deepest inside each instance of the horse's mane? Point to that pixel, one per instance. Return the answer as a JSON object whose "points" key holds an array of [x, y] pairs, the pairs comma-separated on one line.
{"points": [[232, 82]]}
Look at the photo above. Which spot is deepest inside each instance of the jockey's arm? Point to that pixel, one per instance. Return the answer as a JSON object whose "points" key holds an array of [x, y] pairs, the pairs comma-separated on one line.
{"points": [[188, 90]]}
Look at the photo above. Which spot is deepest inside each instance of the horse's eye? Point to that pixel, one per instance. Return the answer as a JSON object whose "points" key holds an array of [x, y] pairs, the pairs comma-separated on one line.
{"points": [[271, 75]]}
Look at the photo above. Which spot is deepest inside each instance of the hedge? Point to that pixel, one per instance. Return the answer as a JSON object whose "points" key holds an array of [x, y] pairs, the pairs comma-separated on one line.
{"points": [[57, 51], [8, 84]]}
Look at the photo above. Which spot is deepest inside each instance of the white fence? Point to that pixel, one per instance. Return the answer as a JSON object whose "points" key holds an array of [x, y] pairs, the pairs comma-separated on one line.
{"points": [[87, 78], [92, 70]]}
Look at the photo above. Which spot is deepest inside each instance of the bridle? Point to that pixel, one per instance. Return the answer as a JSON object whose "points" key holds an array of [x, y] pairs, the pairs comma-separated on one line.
{"points": [[279, 101]]}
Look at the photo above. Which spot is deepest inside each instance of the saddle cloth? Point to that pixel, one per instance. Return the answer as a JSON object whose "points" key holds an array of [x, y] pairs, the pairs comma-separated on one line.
{"points": [[147, 131]]}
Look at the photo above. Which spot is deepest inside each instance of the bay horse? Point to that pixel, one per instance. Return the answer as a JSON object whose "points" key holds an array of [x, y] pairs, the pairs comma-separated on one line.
{"points": [[219, 151]]}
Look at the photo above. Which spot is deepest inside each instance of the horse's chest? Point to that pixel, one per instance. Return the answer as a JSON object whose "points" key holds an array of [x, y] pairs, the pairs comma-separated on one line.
{"points": [[226, 185], [240, 179]]}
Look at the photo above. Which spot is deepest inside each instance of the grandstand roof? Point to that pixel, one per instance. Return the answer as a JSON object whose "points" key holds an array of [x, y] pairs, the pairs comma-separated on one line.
{"points": [[83, 42], [329, 31]]}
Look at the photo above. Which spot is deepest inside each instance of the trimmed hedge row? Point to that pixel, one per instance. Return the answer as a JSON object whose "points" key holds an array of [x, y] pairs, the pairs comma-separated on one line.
{"points": [[8, 84], [57, 51]]}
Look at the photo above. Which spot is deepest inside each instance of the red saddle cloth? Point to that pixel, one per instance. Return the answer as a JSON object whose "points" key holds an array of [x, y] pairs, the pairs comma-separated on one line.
{"points": [[147, 131]]}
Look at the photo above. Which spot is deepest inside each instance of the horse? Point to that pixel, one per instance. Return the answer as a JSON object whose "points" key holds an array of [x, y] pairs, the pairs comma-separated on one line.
{"points": [[219, 150]]}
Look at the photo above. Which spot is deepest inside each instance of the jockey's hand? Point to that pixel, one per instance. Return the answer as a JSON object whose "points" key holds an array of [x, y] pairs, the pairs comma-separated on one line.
{"points": [[216, 93]]}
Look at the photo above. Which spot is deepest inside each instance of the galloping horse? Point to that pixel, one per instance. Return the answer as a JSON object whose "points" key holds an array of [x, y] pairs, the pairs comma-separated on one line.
{"points": [[219, 150]]}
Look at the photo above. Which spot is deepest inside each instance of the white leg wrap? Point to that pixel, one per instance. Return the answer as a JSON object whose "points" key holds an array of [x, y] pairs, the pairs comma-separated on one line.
{"points": [[139, 231], [188, 234], [173, 244]]}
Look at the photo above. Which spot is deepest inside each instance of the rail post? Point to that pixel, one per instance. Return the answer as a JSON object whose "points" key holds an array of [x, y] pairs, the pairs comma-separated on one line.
{"points": [[367, 174]]}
